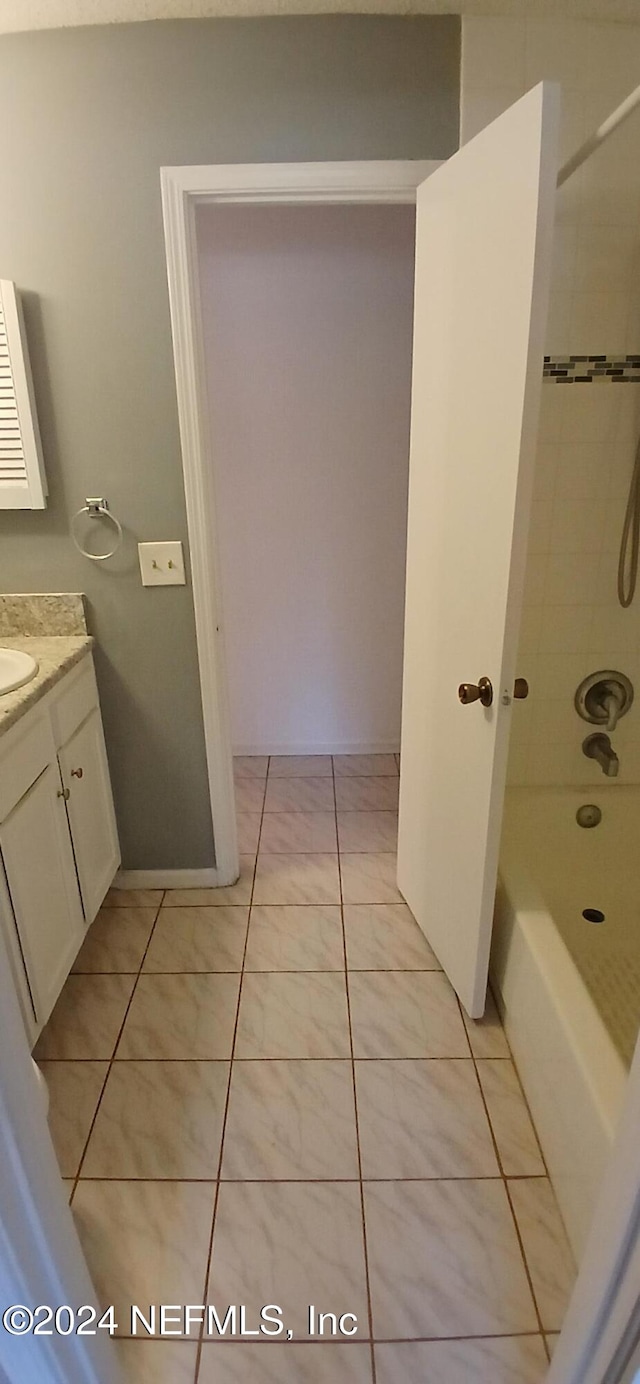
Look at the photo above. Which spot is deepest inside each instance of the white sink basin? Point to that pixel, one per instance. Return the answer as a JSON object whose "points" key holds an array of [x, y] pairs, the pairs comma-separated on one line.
{"points": [[16, 668]]}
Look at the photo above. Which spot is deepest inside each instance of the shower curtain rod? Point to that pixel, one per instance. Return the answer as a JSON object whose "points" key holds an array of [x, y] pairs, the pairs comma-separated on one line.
{"points": [[599, 136]]}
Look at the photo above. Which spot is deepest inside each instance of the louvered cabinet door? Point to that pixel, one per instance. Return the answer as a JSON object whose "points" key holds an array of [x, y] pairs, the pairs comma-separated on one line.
{"points": [[22, 478]]}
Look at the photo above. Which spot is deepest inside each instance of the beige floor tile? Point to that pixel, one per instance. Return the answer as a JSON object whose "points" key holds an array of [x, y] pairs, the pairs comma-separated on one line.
{"points": [[486, 1035], [552, 1338], [249, 794], [181, 1017], [87, 1019], [444, 1260], [285, 832], [370, 878], [512, 1360], [291, 1120], [405, 1014], [386, 937], [159, 1119], [198, 939], [287, 1364], [248, 824], [133, 898], [293, 1243], [295, 939], [232, 893], [367, 794], [74, 1091], [299, 795], [365, 765], [158, 1362], [116, 941], [422, 1119], [514, 1133], [546, 1247], [367, 831], [297, 879], [293, 1015], [145, 1242], [250, 765], [300, 765]]}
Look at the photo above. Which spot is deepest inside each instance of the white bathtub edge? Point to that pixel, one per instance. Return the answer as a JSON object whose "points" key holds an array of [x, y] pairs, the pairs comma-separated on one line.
{"points": [[572, 1075]]}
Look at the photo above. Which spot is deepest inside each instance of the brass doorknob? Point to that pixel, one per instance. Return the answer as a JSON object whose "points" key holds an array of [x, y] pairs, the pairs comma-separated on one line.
{"points": [[520, 689], [476, 692]]}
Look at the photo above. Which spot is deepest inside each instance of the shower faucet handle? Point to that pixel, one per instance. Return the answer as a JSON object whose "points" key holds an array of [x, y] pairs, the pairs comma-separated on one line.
{"points": [[612, 704], [603, 697]]}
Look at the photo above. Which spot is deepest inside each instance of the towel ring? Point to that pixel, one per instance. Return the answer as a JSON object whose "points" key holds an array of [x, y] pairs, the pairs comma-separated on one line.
{"points": [[97, 509]]}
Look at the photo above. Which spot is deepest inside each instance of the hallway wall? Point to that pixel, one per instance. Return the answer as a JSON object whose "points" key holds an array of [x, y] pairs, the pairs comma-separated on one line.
{"points": [[308, 323]]}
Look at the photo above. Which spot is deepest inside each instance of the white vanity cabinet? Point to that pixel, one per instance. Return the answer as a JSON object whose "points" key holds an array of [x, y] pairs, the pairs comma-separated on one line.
{"points": [[58, 841]]}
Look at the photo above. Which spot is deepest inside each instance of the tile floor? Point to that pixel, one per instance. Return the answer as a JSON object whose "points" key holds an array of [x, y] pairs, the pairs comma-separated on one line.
{"points": [[269, 1093]]}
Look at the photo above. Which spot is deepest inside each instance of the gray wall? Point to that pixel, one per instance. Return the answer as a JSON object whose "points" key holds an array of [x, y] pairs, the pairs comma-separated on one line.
{"points": [[90, 116]]}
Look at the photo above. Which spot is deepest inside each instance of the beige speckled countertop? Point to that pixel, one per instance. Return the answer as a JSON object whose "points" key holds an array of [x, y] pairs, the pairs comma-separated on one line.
{"points": [[55, 655]]}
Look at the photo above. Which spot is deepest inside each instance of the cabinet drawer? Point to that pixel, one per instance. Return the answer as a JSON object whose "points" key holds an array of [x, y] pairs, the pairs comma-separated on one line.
{"points": [[77, 697], [24, 757]]}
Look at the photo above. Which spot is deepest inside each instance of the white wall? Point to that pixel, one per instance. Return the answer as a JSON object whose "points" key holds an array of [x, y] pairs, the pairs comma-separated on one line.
{"points": [[572, 622], [308, 321]]}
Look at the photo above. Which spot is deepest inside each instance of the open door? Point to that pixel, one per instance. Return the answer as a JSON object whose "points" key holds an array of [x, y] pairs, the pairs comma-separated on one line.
{"points": [[483, 254]]}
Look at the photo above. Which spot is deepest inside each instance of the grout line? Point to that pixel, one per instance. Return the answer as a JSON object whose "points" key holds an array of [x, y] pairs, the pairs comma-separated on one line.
{"points": [[362, 1341], [355, 1093], [280, 1058], [228, 1094], [451, 1177], [287, 971], [505, 1181], [114, 1050]]}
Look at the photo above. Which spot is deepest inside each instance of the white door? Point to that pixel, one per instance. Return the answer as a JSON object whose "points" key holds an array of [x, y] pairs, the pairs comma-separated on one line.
{"points": [[41, 876], [483, 252], [85, 776]]}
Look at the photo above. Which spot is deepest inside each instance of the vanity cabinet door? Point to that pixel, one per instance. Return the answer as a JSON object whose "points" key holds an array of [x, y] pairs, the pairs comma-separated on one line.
{"points": [[41, 878], [85, 776]]}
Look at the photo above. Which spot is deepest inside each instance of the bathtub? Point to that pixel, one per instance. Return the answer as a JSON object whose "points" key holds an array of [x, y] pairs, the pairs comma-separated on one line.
{"points": [[569, 989]]}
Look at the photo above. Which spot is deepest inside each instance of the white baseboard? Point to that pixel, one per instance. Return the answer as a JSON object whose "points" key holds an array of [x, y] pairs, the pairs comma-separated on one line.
{"points": [[335, 747], [167, 879]]}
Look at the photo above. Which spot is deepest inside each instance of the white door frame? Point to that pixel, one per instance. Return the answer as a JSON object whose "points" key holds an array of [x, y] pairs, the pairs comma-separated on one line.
{"points": [[183, 189], [600, 1313]]}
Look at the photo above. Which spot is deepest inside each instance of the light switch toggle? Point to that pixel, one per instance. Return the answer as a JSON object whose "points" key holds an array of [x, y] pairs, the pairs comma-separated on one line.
{"points": [[161, 564]]}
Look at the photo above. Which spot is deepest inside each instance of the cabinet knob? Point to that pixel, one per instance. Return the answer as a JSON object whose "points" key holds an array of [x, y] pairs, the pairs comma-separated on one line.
{"points": [[77, 773], [64, 793]]}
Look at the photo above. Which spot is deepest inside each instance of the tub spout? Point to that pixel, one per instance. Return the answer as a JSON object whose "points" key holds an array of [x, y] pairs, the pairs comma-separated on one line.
{"points": [[599, 747]]}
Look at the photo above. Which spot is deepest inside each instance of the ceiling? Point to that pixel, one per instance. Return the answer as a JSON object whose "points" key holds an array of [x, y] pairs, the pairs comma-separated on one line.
{"points": [[20, 15]]}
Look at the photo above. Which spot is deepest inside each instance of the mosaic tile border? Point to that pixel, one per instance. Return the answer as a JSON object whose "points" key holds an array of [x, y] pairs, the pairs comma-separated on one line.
{"points": [[586, 369]]}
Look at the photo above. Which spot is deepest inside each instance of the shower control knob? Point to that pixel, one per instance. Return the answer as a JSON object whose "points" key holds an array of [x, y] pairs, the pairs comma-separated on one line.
{"points": [[481, 691]]}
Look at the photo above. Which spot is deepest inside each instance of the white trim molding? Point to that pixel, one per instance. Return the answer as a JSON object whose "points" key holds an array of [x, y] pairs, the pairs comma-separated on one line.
{"points": [[182, 190], [167, 879]]}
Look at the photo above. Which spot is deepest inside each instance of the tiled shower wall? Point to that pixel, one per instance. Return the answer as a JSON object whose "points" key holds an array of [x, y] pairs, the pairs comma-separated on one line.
{"points": [[572, 623]]}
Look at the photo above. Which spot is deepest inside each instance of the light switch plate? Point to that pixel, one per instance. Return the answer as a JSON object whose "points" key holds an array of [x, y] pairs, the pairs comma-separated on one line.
{"points": [[161, 564]]}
